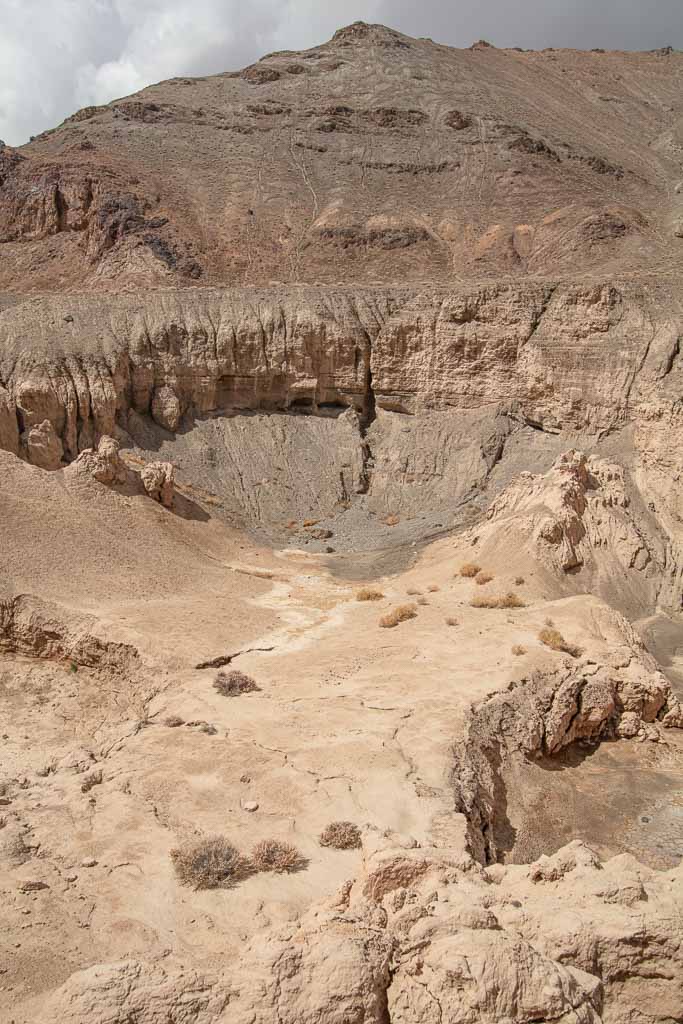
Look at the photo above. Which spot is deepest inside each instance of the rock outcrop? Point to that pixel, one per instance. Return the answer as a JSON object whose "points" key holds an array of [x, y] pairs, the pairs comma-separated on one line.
{"points": [[34, 628], [583, 701], [566, 939], [103, 463], [158, 479]]}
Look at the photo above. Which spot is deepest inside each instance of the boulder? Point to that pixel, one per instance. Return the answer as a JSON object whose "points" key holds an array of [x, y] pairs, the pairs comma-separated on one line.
{"points": [[158, 479]]}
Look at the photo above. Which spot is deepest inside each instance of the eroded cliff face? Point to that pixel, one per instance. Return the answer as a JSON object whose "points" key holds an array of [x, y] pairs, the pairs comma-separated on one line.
{"points": [[560, 356], [419, 401]]}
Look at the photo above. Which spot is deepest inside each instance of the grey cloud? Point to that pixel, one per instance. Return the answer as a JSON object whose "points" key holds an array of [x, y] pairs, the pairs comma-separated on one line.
{"points": [[56, 57]]}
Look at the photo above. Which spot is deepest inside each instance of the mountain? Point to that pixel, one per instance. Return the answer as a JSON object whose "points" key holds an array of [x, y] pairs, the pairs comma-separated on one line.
{"points": [[373, 158]]}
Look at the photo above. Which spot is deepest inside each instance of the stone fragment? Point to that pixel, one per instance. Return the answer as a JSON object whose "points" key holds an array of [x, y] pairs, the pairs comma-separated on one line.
{"points": [[158, 480]]}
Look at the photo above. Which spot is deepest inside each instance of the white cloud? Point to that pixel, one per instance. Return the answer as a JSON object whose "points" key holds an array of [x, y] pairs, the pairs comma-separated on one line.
{"points": [[59, 55]]}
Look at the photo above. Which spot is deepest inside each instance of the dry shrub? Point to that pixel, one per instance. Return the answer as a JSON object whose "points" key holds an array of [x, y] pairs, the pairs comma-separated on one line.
{"points": [[422, 600], [173, 721], [432, 588], [392, 520], [483, 577], [401, 613], [341, 835], [209, 863], [274, 855], [451, 622], [469, 570], [519, 581], [199, 723], [509, 600], [233, 683], [518, 650], [310, 522], [413, 591], [369, 594], [553, 639]]}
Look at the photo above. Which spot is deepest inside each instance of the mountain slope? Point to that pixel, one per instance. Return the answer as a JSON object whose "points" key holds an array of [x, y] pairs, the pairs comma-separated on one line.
{"points": [[371, 158]]}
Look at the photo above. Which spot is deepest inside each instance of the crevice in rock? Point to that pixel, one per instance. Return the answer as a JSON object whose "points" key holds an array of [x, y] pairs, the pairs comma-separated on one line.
{"points": [[61, 210]]}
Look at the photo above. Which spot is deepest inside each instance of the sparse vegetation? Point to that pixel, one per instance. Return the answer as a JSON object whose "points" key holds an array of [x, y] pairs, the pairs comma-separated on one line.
{"points": [[203, 726], [234, 683], [274, 855], [391, 520], [369, 594], [469, 570], [209, 863], [519, 581], [173, 721], [422, 600], [483, 577], [310, 522], [450, 621], [509, 600], [518, 650], [401, 613], [341, 835], [552, 638]]}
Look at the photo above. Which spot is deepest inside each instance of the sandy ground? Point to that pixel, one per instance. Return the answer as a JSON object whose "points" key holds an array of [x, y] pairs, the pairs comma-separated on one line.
{"points": [[351, 721]]}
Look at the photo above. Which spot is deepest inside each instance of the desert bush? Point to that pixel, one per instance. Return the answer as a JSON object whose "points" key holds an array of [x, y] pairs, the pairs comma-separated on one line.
{"points": [[553, 639], [518, 650], [199, 723], [519, 581], [274, 855], [422, 600], [341, 835], [509, 600], [369, 594], [401, 613], [310, 522], [451, 621], [233, 683], [209, 863], [392, 520], [173, 721], [483, 577], [469, 570]]}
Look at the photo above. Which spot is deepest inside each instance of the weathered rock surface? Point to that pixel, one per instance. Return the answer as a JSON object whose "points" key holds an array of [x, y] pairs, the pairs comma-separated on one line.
{"points": [[103, 463], [34, 628], [565, 939], [158, 479]]}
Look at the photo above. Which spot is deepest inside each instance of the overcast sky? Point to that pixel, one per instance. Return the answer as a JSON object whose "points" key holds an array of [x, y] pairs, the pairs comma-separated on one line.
{"points": [[59, 55]]}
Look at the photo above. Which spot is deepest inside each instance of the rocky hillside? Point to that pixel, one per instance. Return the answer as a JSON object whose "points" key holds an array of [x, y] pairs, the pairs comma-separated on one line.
{"points": [[373, 158]]}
